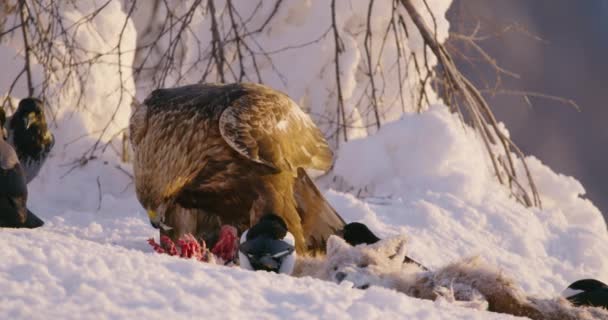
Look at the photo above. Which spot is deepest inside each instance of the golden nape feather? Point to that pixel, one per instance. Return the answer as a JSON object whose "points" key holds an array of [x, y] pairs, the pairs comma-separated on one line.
{"points": [[212, 154]]}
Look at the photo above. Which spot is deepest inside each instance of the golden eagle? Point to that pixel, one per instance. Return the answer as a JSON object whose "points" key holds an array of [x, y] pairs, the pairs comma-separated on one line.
{"points": [[206, 155]]}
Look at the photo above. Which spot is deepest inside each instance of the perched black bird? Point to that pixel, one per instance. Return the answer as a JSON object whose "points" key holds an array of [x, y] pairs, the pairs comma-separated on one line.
{"points": [[29, 135], [268, 245], [587, 292], [356, 233], [3, 134], [13, 192]]}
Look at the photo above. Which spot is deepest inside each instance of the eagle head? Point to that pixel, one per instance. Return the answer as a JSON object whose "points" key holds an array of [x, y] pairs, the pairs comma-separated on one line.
{"points": [[154, 205], [157, 217]]}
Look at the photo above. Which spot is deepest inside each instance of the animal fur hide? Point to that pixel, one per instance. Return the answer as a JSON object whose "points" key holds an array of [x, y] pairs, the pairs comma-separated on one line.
{"points": [[469, 282]]}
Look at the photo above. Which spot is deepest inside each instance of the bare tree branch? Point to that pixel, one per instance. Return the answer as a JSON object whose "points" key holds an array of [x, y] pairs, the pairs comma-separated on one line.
{"points": [[338, 48], [26, 45], [481, 114]]}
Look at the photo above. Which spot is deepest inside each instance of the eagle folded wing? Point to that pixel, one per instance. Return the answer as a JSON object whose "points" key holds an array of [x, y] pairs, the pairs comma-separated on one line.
{"points": [[319, 219], [269, 128]]}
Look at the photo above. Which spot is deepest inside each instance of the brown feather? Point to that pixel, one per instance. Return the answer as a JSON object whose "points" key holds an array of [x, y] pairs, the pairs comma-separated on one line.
{"points": [[319, 219], [229, 154], [267, 127]]}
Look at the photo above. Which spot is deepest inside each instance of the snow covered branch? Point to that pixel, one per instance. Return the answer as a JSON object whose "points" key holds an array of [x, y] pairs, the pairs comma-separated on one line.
{"points": [[378, 66]]}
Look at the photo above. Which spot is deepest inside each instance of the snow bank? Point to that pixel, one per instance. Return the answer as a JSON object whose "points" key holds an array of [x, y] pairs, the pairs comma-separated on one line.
{"points": [[417, 154], [45, 275], [77, 128], [428, 176]]}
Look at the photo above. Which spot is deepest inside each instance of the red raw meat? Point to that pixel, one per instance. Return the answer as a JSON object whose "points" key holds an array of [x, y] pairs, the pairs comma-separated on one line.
{"points": [[188, 247]]}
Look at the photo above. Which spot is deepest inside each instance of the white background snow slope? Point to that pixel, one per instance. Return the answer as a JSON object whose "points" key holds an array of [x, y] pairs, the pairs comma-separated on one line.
{"points": [[428, 175]]}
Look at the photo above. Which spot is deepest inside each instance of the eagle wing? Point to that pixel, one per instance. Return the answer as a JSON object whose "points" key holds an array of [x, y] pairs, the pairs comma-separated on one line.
{"points": [[269, 128], [175, 127]]}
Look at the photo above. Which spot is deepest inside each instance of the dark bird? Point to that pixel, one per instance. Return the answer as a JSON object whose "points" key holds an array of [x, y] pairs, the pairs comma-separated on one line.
{"points": [[13, 192], [356, 233], [587, 292], [4, 133], [268, 246], [28, 133], [206, 155]]}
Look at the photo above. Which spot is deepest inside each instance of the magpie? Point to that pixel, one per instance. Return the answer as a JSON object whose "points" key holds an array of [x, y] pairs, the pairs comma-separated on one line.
{"points": [[268, 246], [587, 292]]}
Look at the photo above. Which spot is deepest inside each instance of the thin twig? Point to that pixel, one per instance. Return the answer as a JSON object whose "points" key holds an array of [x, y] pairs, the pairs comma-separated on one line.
{"points": [[338, 48], [26, 45], [99, 197]]}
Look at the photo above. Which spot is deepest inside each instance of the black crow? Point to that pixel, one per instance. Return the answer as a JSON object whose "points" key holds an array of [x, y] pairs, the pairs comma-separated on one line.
{"points": [[13, 192], [30, 136]]}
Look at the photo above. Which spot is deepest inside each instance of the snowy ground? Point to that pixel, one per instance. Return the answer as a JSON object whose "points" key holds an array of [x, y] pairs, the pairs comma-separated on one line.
{"points": [[53, 275], [428, 175], [97, 264]]}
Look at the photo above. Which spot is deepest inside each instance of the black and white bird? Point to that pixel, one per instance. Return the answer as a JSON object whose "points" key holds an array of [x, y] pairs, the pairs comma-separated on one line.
{"points": [[30, 136], [13, 192], [587, 292], [268, 245], [356, 233]]}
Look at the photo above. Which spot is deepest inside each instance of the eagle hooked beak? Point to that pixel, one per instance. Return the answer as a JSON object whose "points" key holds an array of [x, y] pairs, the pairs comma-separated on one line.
{"points": [[30, 120], [157, 220]]}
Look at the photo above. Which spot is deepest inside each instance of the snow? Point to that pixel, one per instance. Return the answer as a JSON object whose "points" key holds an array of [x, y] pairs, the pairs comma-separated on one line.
{"points": [[76, 130], [63, 277], [425, 175], [430, 179]]}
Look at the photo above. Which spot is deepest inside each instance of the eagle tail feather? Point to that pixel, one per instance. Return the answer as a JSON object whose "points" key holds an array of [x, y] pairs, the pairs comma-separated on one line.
{"points": [[319, 219]]}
